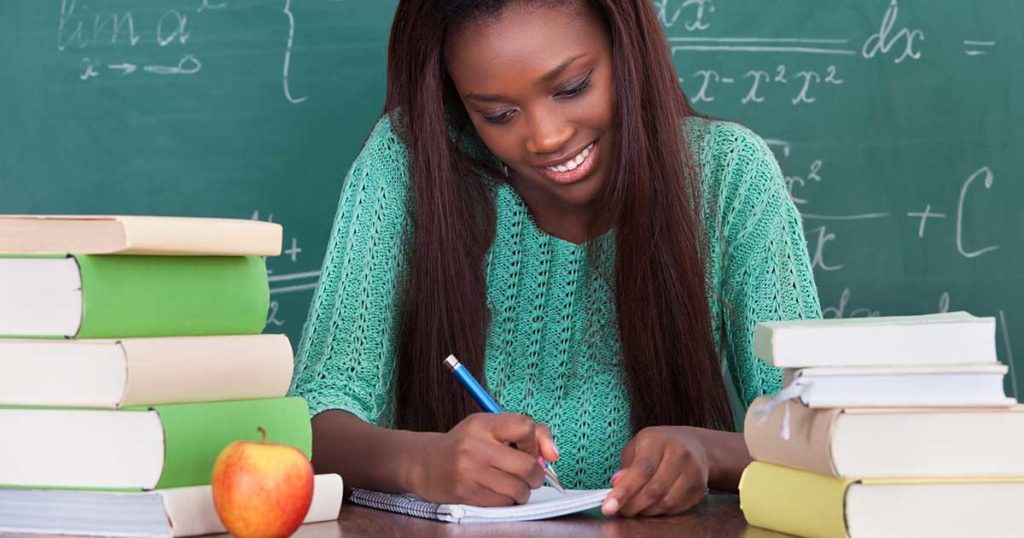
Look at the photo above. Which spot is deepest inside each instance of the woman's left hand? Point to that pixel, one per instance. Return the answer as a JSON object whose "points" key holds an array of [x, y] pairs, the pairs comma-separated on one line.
{"points": [[664, 472]]}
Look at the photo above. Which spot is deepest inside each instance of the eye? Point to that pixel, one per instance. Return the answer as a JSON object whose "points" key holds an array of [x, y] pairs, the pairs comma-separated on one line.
{"points": [[575, 90], [499, 118]]}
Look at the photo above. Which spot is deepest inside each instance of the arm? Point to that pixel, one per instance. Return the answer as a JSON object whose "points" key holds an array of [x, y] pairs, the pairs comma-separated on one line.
{"points": [[367, 456], [765, 269], [345, 363]]}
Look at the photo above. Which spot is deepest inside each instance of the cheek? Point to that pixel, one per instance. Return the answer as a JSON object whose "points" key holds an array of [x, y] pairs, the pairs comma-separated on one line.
{"points": [[501, 144], [607, 108]]}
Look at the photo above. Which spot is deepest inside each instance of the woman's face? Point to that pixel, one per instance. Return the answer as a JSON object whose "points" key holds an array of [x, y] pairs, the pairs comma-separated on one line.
{"points": [[537, 83]]}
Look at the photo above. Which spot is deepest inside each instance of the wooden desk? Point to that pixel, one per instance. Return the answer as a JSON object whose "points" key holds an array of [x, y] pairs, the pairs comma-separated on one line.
{"points": [[717, 516]]}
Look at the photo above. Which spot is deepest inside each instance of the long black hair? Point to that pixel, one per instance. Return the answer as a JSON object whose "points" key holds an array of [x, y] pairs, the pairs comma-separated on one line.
{"points": [[652, 199]]}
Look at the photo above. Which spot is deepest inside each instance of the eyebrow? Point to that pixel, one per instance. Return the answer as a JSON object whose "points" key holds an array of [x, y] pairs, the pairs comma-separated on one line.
{"points": [[547, 78]]}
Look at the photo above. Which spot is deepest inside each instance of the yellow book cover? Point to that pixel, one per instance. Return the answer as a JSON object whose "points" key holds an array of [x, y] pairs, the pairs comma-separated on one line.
{"points": [[796, 502], [807, 504]]}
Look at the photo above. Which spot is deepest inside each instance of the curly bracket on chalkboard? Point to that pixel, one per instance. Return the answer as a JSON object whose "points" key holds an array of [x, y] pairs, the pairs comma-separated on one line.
{"points": [[288, 53]]}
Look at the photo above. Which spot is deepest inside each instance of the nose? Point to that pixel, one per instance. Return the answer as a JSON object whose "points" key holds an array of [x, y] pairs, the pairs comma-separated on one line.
{"points": [[548, 133]]}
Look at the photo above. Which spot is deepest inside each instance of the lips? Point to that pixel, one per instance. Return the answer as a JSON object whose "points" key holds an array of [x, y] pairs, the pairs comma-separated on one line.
{"points": [[574, 168]]}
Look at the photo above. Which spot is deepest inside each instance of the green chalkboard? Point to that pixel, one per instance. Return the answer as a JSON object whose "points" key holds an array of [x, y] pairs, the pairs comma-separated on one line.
{"points": [[897, 124]]}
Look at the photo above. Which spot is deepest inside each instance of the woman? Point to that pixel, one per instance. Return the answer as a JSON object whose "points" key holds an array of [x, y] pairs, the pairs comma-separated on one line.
{"points": [[540, 200]]}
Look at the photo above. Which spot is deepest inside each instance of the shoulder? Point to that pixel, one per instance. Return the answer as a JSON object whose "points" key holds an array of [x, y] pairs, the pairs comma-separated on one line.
{"points": [[741, 180], [720, 144], [384, 147], [381, 169]]}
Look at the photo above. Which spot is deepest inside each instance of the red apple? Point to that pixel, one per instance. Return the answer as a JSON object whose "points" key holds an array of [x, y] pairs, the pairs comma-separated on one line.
{"points": [[262, 490]]}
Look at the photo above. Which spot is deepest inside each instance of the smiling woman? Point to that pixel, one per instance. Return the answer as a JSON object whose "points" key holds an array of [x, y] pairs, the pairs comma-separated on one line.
{"points": [[540, 200]]}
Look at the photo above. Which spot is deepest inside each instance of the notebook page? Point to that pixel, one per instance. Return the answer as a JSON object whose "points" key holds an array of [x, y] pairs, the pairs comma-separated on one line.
{"points": [[544, 503]]}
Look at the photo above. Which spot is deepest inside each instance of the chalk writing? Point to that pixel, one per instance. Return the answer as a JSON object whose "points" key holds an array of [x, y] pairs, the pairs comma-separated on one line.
{"points": [[694, 13], [792, 182], [758, 81], [978, 48], [839, 310], [924, 216], [986, 173], [883, 41], [288, 54], [818, 259]]}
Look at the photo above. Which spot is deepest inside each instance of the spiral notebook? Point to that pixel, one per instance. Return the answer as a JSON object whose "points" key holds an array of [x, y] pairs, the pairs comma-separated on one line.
{"points": [[544, 503]]}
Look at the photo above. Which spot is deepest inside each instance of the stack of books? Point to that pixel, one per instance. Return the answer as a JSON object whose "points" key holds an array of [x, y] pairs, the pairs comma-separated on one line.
{"points": [[888, 426], [131, 354]]}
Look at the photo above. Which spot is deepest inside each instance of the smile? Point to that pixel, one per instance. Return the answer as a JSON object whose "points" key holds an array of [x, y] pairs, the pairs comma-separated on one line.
{"points": [[574, 168]]}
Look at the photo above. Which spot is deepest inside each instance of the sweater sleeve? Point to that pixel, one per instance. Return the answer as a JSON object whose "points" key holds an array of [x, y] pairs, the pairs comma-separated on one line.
{"points": [[345, 358], [764, 270]]}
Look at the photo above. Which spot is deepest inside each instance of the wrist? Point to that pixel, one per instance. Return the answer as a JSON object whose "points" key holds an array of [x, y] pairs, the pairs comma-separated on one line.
{"points": [[727, 456], [414, 460]]}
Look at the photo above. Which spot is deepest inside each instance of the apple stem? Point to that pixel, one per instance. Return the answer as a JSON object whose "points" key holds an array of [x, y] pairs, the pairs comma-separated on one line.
{"points": [[263, 433]]}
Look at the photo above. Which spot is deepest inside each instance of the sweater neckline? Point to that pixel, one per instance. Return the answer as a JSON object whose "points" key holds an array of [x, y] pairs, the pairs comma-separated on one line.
{"points": [[511, 195]]}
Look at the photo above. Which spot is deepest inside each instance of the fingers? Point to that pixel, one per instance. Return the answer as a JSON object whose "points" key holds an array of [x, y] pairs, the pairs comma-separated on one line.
{"points": [[519, 430], [518, 464], [510, 489], [683, 494], [657, 486], [546, 443], [643, 464]]}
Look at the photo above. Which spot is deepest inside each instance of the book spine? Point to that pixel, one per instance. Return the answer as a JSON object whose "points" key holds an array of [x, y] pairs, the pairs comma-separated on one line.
{"points": [[140, 296], [196, 433], [807, 445], [794, 502]]}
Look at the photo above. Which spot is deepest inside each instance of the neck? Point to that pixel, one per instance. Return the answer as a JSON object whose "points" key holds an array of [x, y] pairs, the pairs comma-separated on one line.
{"points": [[569, 222]]}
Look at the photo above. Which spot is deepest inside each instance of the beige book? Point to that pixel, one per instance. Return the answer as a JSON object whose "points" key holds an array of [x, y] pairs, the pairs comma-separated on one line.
{"points": [[138, 235], [142, 371], [890, 442]]}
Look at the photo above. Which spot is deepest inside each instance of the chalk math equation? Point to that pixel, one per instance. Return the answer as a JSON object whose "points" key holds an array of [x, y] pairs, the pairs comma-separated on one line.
{"points": [[100, 38], [895, 39]]}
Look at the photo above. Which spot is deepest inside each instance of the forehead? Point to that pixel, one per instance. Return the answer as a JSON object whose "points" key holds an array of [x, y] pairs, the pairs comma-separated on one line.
{"points": [[524, 42]]}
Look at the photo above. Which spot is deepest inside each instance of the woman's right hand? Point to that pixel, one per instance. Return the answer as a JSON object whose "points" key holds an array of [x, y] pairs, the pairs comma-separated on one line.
{"points": [[488, 459]]}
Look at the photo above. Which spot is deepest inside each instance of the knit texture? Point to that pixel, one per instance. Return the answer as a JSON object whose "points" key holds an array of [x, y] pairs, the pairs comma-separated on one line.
{"points": [[552, 350]]}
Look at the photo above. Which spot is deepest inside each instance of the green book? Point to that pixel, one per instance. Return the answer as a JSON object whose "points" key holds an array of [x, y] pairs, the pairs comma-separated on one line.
{"points": [[85, 296], [139, 448]]}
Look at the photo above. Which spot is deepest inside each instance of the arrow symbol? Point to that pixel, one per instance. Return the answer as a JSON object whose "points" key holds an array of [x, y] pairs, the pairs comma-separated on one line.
{"points": [[126, 68]]}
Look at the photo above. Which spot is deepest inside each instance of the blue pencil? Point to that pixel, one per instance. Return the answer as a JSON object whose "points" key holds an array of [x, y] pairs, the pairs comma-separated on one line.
{"points": [[488, 404]]}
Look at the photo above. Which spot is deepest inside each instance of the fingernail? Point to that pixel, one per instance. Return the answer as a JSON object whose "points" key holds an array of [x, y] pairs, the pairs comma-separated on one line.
{"points": [[616, 476], [611, 505], [556, 451]]}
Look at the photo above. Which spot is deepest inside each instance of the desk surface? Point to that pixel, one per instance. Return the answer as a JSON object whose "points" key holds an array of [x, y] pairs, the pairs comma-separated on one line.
{"points": [[717, 515]]}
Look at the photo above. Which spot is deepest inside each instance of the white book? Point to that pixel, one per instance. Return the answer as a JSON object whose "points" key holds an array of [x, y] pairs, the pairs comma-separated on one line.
{"points": [[933, 339], [143, 371], [545, 502], [162, 513], [925, 386]]}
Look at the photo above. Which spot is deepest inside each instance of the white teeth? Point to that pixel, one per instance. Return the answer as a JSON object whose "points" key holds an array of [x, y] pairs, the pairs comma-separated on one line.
{"points": [[574, 162]]}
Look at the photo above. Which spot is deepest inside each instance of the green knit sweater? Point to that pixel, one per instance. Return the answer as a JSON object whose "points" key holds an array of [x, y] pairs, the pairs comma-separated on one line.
{"points": [[552, 349]]}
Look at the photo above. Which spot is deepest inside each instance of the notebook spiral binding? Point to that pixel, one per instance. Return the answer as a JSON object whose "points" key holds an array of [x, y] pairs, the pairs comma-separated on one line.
{"points": [[394, 503]]}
